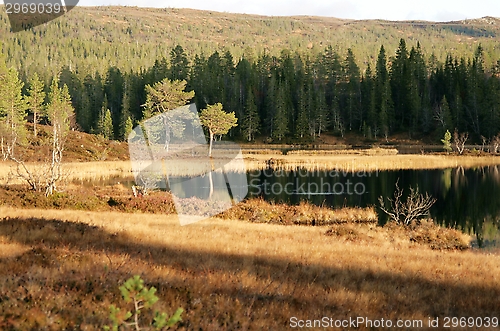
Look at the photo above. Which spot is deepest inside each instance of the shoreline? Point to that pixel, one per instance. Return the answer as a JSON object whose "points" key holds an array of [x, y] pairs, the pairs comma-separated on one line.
{"points": [[370, 160]]}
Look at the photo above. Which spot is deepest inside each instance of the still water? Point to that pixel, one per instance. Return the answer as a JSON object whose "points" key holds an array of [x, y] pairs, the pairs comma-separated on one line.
{"points": [[466, 199]]}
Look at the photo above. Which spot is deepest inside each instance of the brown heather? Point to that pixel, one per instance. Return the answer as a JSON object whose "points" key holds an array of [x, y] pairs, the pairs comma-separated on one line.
{"points": [[61, 269], [62, 258]]}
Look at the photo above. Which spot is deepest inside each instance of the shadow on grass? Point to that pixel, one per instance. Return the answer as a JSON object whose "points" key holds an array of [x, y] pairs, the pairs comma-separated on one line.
{"points": [[308, 295]]}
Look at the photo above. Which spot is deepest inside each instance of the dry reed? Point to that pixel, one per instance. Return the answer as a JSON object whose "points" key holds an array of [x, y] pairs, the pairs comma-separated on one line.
{"points": [[349, 161]]}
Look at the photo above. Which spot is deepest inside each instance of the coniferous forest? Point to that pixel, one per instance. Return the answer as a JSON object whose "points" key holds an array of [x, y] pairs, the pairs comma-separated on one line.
{"points": [[293, 94]]}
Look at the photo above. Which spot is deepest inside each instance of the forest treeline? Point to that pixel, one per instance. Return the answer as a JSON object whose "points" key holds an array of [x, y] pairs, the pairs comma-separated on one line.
{"points": [[296, 98], [89, 40]]}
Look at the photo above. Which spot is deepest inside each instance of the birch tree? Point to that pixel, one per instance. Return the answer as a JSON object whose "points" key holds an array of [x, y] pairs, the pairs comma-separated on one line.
{"points": [[59, 113]]}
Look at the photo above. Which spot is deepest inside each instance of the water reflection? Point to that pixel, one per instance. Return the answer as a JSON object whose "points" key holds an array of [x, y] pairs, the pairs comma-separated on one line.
{"points": [[466, 198]]}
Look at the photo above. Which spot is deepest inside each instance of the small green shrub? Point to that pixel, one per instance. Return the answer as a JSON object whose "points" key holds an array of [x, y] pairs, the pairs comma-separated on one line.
{"points": [[447, 141], [133, 291]]}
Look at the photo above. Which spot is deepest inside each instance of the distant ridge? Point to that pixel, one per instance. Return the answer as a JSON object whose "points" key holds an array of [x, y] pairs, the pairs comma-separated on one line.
{"points": [[134, 37]]}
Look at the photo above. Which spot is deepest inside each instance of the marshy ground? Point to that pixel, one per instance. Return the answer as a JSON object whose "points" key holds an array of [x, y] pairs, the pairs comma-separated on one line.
{"points": [[60, 266], [253, 267]]}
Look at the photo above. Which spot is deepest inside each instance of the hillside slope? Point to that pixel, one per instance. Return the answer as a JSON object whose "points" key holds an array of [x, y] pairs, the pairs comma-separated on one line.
{"points": [[79, 147], [93, 38]]}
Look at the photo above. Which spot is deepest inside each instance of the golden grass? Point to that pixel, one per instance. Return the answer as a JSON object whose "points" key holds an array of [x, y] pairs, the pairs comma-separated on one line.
{"points": [[228, 274], [357, 162], [342, 160], [75, 170], [368, 151]]}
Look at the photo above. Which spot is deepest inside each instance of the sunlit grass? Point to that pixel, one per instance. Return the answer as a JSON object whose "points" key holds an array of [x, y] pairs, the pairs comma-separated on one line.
{"points": [[231, 274], [357, 162], [341, 160]]}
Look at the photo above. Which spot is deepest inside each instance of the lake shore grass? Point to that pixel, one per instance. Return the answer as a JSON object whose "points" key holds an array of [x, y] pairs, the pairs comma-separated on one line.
{"points": [[359, 162], [61, 269], [375, 159]]}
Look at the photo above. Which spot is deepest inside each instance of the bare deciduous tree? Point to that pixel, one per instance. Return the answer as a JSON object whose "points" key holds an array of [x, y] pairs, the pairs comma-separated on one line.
{"points": [[495, 143], [59, 112], [459, 139], [402, 212], [146, 183], [46, 175]]}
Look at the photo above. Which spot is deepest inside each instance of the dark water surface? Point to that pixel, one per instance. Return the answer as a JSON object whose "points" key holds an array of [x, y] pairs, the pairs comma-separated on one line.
{"points": [[466, 199]]}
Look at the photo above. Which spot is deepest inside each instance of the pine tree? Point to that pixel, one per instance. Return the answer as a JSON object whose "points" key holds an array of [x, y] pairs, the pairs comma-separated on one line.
{"points": [[164, 96], [217, 122], [35, 100]]}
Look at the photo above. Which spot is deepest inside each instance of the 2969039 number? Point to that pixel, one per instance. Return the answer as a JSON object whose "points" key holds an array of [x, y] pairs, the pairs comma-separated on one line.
{"points": [[472, 322], [33, 8]]}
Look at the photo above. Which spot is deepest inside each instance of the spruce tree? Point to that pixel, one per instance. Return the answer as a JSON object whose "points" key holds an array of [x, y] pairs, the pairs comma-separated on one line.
{"points": [[400, 80], [353, 93], [35, 100], [105, 123], [321, 112], [301, 123], [383, 97], [12, 112], [114, 89], [368, 97], [128, 127], [250, 122], [179, 64], [443, 116], [280, 120]]}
